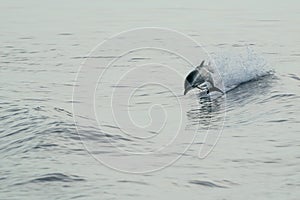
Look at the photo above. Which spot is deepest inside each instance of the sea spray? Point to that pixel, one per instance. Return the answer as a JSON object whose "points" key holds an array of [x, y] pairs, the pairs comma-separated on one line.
{"points": [[234, 68]]}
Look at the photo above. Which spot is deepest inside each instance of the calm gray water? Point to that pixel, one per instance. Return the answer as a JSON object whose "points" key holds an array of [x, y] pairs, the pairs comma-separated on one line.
{"points": [[44, 155]]}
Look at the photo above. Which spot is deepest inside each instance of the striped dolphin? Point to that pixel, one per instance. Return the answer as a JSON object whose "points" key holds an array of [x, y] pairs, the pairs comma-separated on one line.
{"points": [[201, 78]]}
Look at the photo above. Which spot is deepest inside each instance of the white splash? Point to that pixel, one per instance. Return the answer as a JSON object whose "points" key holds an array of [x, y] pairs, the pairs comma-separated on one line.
{"points": [[234, 69]]}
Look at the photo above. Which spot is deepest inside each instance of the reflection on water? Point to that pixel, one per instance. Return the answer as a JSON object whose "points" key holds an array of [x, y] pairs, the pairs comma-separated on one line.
{"points": [[207, 112], [250, 91]]}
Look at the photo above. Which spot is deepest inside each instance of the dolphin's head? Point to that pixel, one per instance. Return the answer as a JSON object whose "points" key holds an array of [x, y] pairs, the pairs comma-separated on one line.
{"points": [[190, 81], [187, 87]]}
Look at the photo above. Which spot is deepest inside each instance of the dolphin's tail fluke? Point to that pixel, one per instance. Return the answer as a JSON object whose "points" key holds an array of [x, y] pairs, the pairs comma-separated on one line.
{"points": [[215, 89]]}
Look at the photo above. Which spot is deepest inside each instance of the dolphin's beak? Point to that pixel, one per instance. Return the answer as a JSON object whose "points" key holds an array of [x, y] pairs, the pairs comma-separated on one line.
{"points": [[187, 90]]}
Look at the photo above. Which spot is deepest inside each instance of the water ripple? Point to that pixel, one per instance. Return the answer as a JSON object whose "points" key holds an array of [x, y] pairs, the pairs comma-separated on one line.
{"points": [[54, 177], [206, 184]]}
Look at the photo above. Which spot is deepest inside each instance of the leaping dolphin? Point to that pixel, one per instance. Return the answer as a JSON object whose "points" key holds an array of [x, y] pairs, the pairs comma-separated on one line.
{"points": [[200, 78]]}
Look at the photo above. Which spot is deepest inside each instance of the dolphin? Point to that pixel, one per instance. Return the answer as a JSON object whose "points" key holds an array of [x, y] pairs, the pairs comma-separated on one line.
{"points": [[201, 78]]}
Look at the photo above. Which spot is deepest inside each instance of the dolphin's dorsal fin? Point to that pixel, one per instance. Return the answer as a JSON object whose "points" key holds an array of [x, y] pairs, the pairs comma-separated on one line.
{"points": [[201, 65]]}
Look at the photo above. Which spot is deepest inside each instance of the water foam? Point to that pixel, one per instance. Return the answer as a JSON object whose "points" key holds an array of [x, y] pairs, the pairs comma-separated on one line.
{"points": [[237, 68]]}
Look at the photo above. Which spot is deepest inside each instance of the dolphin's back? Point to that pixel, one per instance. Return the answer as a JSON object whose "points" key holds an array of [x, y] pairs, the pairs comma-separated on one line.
{"points": [[195, 78]]}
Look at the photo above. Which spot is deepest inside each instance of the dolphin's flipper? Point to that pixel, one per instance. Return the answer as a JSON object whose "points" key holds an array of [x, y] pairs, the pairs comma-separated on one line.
{"points": [[216, 90], [200, 88]]}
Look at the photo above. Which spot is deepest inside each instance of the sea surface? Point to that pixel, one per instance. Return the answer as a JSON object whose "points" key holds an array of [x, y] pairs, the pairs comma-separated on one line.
{"points": [[92, 104]]}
